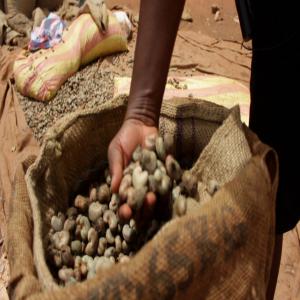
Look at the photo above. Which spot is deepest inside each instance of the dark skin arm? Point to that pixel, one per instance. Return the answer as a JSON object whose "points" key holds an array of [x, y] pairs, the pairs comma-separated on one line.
{"points": [[159, 21]]}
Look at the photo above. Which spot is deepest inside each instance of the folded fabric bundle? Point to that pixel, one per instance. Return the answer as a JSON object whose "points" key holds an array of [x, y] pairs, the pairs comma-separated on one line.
{"points": [[42, 73], [48, 34]]}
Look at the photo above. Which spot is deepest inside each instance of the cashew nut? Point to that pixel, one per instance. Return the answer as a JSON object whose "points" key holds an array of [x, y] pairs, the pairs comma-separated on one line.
{"points": [[92, 245], [139, 177], [173, 168], [104, 193]]}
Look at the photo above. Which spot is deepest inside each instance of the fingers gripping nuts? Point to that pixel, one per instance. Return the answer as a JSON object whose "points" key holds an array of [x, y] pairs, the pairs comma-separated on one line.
{"points": [[90, 237]]}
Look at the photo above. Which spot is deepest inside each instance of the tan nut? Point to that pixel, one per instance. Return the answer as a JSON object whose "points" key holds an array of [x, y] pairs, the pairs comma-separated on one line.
{"points": [[190, 183], [111, 251], [99, 225], [107, 177], [92, 244], [136, 198], [84, 225], [95, 211], [61, 238], [152, 184], [104, 193], [169, 143], [81, 203], [93, 195], [148, 161], [109, 236], [103, 263], [213, 186], [173, 168], [69, 225], [125, 246], [102, 245], [110, 218], [180, 206], [124, 259], [118, 244], [160, 148], [176, 191], [114, 202], [124, 185]]}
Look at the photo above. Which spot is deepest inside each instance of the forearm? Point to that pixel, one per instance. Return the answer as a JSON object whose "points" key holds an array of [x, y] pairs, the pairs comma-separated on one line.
{"points": [[159, 21]]}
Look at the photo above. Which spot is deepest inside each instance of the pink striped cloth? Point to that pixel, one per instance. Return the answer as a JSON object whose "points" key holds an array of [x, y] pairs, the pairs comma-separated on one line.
{"points": [[48, 34]]}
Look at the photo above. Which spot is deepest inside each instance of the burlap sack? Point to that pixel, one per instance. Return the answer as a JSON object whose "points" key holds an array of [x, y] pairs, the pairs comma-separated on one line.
{"points": [[220, 250]]}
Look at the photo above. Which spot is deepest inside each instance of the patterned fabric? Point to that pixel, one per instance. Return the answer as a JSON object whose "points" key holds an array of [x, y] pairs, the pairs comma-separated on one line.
{"points": [[48, 34]]}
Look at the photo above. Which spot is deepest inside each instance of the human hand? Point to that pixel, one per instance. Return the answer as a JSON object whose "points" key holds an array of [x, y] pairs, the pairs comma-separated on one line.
{"points": [[132, 133]]}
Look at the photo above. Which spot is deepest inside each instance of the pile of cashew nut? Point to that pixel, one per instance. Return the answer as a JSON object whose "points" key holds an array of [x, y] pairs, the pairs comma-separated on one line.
{"points": [[91, 237]]}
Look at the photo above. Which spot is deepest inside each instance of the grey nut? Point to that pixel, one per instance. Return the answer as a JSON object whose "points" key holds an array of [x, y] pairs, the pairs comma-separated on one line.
{"points": [[160, 148], [76, 247], [139, 177], [190, 183], [72, 212], [107, 176], [128, 233], [148, 161], [61, 238], [173, 168], [137, 154], [57, 222]]}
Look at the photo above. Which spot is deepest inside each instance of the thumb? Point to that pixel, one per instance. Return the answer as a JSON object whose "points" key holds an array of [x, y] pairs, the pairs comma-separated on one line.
{"points": [[115, 159]]}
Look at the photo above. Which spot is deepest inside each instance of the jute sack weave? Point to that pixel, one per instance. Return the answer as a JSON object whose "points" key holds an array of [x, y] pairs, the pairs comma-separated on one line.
{"points": [[221, 249]]}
